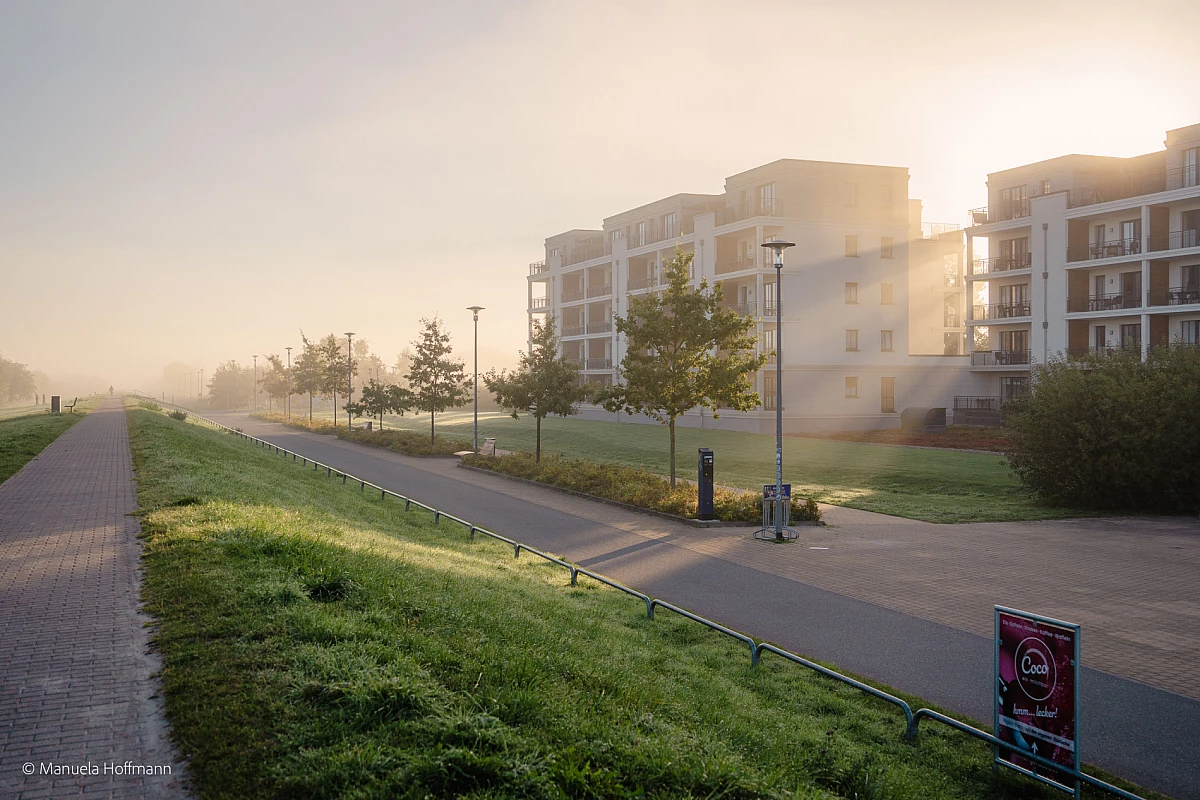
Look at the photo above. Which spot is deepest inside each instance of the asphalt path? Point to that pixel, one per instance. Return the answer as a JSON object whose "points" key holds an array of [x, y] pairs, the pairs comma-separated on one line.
{"points": [[1139, 732]]}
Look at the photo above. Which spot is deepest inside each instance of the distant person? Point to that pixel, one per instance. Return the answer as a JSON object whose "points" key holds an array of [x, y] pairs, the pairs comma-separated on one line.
{"points": [[110, 390]]}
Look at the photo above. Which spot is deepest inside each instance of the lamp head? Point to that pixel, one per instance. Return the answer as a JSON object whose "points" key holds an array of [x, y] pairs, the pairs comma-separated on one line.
{"points": [[349, 333], [777, 248], [475, 310]]}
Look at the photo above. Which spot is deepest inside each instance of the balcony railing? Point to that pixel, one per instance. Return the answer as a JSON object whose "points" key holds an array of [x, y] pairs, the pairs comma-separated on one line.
{"points": [[598, 363], [748, 309], [571, 297], [1105, 302], [932, 230], [1127, 186], [572, 330], [976, 403], [1015, 209], [599, 290], [655, 233], [640, 282], [1177, 296], [587, 252], [985, 266], [750, 209], [537, 268], [1018, 308], [768, 308], [999, 358], [599, 327], [737, 263], [1176, 240], [539, 302], [1115, 249]]}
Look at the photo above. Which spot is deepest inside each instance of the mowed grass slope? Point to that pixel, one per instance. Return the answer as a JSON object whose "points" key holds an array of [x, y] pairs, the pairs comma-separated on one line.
{"points": [[319, 642], [23, 437], [932, 485]]}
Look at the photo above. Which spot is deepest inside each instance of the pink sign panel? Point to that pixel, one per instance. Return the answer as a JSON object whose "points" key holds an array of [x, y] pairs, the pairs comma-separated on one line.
{"points": [[1037, 671]]}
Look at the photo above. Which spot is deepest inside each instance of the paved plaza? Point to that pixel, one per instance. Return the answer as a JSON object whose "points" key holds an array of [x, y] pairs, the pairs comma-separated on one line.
{"points": [[76, 693]]}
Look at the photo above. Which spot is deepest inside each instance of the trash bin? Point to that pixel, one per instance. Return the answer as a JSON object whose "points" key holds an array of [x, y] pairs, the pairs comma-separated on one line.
{"points": [[704, 483], [54, 404], [771, 504]]}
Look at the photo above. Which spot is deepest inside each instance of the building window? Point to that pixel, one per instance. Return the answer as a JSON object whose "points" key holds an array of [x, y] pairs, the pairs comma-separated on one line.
{"points": [[1189, 331], [950, 343], [885, 341], [887, 395], [554, 253], [851, 246], [887, 195], [768, 342], [852, 293], [885, 294], [769, 299], [951, 271], [766, 198], [852, 194], [851, 339], [768, 395], [669, 225], [1012, 388], [1045, 187], [1191, 167], [885, 247], [851, 388], [615, 235], [640, 239]]}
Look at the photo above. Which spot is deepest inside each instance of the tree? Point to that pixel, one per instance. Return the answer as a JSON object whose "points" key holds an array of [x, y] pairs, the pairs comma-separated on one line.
{"points": [[231, 383], [437, 381], [684, 349], [16, 381], [380, 398], [333, 369], [545, 382], [308, 372], [275, 381]]}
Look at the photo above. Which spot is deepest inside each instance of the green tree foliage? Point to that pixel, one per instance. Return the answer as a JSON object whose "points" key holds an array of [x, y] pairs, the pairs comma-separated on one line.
{"points": [[437, 381], [334, 379], [378, 399], [16, 381], [231, 385], [684, 349], [545, 382], [275, 380], [1111, 432], [308, 371]]}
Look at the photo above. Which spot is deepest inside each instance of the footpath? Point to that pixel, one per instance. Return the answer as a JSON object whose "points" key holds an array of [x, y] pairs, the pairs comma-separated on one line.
{"points": [[78, 712]]}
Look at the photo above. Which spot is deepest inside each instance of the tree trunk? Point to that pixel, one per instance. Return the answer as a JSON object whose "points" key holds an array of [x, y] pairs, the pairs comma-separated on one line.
{"points": [[538, 458], [431, 437], [310, 406], [671, 425], [335, 409], [381, 419]]}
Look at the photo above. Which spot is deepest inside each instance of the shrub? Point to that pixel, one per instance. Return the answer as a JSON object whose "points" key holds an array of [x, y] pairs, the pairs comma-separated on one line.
{"points": [[178, 414], [1111, 432], [635, 487], [150, 405], [407, 442]]}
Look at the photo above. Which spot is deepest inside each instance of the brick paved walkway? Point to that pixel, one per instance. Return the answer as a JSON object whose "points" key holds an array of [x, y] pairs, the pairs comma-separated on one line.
{"points": [[75, 669]]}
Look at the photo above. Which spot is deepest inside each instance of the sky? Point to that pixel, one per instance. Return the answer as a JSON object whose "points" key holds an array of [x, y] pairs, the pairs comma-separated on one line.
{"points": [[196, 182]]}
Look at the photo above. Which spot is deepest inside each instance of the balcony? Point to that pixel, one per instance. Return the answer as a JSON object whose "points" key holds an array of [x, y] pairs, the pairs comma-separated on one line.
{"points": [[599, 327], [1177, 296], [977, 410], [1105, 302], [932, 230], [586, 252], [538, 268], [1176, 240], [748, 210], [571, 297], [640, 282], [987, 266], [598, 363], [737, 263], [1000, 358], [572, 330], [1019, 308], [1018, 209], [655, 233], [1127, 186], [1115, 249], [599, 290], [539, 302], [749, 309]]}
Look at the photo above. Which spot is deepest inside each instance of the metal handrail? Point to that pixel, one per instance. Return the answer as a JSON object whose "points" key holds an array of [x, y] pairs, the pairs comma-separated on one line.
{"points": [[912, 719]]}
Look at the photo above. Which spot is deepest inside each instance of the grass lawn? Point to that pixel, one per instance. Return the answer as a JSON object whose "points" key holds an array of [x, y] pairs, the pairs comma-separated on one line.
{"points": [[23, 437], [932, 485], [317, 642]]}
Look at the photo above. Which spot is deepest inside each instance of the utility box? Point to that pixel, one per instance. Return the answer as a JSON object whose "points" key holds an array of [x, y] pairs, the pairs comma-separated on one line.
{"points": [[54, 404], [704, 484]]}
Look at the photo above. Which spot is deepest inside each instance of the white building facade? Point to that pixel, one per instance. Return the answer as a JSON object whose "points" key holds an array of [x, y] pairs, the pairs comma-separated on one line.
{"points": [[873, 303]]}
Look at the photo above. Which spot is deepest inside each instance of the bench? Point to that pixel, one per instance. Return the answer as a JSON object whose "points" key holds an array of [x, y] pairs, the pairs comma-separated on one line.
{"points": [[71, 407]]}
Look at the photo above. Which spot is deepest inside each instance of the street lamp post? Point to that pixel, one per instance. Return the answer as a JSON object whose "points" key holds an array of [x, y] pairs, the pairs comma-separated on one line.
{"points": [[475, 312], [255, 357], [349, 380], [289, 377], [777, 248], [200, 385]]}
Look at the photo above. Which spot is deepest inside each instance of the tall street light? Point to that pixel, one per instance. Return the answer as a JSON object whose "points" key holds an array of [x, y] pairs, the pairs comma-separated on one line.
{"points": [[777, 248], [255, 357], [289, 377], [475, 311], [349, 380]]}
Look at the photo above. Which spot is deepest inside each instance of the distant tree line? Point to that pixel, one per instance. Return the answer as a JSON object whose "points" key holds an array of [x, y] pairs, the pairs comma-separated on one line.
{"points": [[16, 382]]}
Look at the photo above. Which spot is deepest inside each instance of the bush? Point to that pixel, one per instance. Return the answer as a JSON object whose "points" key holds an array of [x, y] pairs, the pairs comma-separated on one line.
{"points": [[1111, 432], [635, 486], [316, 425], [150, 405], [407, 442], [179, 415]]}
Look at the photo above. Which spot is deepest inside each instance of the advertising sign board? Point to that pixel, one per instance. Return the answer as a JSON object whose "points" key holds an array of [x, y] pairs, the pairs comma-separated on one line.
{"points": [[1037, 693]]}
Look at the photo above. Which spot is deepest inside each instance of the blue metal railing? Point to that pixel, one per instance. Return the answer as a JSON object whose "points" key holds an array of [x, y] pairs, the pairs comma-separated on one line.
{"points": [[912, 719]]}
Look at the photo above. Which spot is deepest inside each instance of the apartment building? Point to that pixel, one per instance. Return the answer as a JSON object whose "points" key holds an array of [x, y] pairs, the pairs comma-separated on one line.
{"points": [[1084, 254], [873, 301]]}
